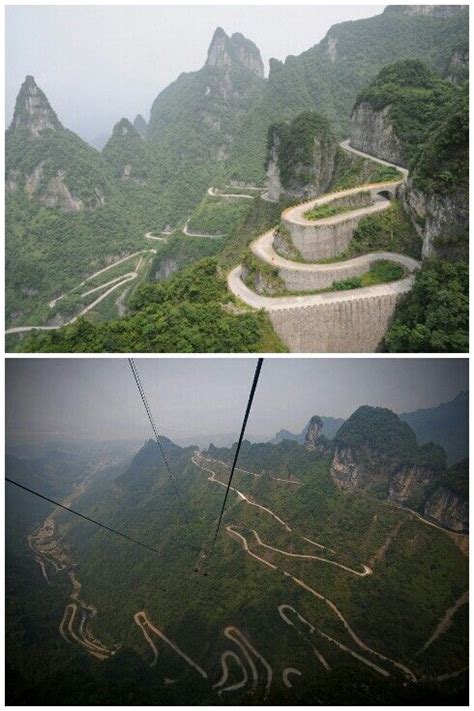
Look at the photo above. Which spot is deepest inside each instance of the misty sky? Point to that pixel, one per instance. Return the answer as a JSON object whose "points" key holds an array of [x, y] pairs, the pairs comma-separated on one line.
{"points": [[99, 63], [200, 400]]}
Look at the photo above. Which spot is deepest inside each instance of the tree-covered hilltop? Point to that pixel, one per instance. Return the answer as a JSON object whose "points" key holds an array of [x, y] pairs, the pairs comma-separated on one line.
{"points": [[430, 118], [442, 165], [127, 155], [192, 601], [380, 430], [304, 151], [191, 312], [417, 100], [377, 428]]}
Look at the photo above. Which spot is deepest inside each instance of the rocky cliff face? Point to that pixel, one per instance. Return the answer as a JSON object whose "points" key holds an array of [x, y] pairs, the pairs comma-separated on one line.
{"points": [[301, 157], [366, 469], [274, 186], [458, 68], [372, 132], [224, 51], [314, 440], [410, 484], [228, 56], [437, 218], [351, 471], [448, 509]]}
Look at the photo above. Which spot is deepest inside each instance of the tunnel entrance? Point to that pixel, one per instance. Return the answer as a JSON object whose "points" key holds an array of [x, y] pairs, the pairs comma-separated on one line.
{"points": [[386, 194]]}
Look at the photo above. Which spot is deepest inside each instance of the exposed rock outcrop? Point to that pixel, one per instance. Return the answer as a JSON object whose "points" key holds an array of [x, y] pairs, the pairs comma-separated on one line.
{"points": [[274, 186], [458, 68], [440, 220], [410, 482], [58, 195], [314, 440], [375, 451], [225, 51], [448, 509], [301, 157], [372, 132]]}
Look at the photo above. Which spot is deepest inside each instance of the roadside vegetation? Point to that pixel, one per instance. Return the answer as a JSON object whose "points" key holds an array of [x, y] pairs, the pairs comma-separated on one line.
{"points": [[190, 312], [434, 316]]}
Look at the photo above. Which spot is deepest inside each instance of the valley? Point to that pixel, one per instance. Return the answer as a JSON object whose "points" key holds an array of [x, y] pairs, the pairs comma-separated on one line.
{"points": [[325, 575]]}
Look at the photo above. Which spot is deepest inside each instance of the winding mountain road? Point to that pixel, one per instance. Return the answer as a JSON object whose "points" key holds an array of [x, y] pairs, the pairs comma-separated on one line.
{"points": [[263, 249], [311, 276], [281, 303], [116, 284]]}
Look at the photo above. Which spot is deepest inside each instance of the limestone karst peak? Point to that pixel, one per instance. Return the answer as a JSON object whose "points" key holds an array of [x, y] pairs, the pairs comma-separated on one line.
{"points": [[313, 433], [140, 125], [225, 51], [33, 111], [123, 128]]}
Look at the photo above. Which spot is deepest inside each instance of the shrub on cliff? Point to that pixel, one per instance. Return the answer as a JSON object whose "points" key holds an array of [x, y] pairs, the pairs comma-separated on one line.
{"points": [[434, 317]]}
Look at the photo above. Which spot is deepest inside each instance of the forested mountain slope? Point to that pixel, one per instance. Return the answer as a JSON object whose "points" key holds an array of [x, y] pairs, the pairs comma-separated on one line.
{"points": [[294, 553], [66, 214], [328, 77]]}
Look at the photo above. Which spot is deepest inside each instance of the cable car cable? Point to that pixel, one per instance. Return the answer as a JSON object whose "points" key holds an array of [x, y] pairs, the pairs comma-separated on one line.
{"points": [[141, 390], [242, 432], [91, 520]]}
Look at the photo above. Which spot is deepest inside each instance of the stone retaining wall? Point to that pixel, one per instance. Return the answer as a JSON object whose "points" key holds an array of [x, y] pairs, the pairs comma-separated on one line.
{"points": [[352, 326], [305, 280], [315, 242]]}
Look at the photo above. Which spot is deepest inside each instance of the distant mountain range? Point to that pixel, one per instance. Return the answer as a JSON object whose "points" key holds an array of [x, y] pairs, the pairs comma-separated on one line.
{"points": [[446, 424]]}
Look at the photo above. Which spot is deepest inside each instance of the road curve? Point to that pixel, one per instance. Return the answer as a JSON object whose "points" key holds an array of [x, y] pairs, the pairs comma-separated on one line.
{"points": [[141, 620], [263, 248], [24, 329], [281, 303], [197, 234], [347, 147], [286, 673], [225, 673]]}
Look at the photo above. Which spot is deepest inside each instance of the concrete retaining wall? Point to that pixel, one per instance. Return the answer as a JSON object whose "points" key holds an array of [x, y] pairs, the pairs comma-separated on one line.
{"points": [[352, 326], [305, 280], [315, 242]]}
